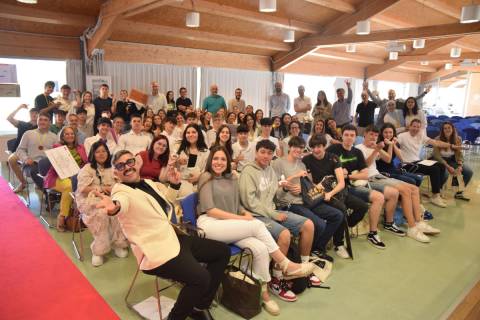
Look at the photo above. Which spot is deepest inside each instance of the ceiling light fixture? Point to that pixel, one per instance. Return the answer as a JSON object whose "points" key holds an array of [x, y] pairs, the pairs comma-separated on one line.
{"points": [[289, 36], [424, 63], [419, 43], [267, 5], [448, 66], [363, 27], [193, 19], [28, 1], [455, 52], [393, 55], [470, 13], [351, 48]]}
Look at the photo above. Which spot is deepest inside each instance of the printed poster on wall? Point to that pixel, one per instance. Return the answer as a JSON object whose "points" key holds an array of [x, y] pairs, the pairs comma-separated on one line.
{"points": [[94, 83]]}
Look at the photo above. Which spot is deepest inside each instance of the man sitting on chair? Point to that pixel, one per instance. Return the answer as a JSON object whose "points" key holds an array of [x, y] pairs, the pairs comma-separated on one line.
{"points": [[31, 149], [144, 208]]}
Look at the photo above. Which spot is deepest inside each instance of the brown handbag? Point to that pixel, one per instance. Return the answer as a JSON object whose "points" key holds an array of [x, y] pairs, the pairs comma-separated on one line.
{"points": [[241, 291]]}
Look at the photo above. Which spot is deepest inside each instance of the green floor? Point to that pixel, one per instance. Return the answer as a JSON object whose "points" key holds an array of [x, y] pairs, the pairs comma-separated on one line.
{"points": [[408, 280]]}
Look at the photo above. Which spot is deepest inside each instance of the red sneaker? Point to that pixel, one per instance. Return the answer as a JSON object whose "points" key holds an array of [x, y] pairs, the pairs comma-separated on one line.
{"points": [[280, 289]]}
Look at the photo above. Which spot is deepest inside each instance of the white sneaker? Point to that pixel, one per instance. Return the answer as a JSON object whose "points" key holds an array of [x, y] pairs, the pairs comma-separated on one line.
{"points": [[426, 228], [271, 307], [416, 234], [97, 261], [438, 201], [342, 252], [121, 252]]}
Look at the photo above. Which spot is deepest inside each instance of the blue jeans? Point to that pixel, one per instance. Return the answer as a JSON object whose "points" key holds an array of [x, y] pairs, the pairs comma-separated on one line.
{"points": [[409, 177], [326, 220]]}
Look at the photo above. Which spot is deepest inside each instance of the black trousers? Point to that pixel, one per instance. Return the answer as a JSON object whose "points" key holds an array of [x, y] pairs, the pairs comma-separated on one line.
{"points": [[200, 283], [354, 209], [436, 173], [32, 172]]}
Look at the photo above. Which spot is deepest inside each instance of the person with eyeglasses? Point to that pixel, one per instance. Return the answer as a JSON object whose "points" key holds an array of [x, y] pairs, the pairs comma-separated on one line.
{"points": [[144, 209]]}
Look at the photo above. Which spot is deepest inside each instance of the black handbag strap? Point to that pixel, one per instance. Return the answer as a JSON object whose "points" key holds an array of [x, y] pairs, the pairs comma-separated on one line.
{"points": [[249, 265]]}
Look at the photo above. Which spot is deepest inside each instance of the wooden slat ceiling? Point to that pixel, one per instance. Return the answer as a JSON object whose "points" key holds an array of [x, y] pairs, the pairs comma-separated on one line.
{"points": [[237, 26]]}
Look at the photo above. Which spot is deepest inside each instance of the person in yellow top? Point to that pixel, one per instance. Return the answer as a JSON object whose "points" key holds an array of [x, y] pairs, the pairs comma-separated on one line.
{"points": [[144, 208]]}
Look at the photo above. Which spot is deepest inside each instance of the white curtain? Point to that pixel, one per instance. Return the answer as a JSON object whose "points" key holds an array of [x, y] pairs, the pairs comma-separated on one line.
{"points": [[74, 74], [257, 86], [140, 75]]}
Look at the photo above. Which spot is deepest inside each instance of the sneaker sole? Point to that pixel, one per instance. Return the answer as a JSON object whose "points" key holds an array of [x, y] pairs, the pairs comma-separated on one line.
{"points": [[280, 297], [375, 246], [421, 241], [397, 234]]}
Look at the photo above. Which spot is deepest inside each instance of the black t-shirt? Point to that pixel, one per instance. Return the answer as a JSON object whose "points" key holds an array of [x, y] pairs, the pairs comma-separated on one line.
{"points": [[183, 102], [124, 109], [42, 101], [321, 168], [350, 159], [365, 113], [102, 105], [22, 127], [383, 166], [133, 109]]}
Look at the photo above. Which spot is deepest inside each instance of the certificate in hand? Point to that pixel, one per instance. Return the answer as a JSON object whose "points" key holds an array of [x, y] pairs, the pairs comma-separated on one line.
{"points": [[63, 162]]}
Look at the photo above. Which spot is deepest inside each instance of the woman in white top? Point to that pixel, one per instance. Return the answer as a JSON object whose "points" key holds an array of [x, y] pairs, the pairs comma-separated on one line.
{"points": [[222, 218], [412, 111], [97, 176], [86, 103], [192, 158]]}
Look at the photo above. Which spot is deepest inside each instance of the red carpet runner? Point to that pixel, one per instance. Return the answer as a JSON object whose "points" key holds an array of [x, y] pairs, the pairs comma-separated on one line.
{"points": [[37, 280]]}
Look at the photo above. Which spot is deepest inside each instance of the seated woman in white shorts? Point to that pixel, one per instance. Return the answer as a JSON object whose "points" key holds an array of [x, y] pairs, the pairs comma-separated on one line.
{"points": [[223, 219]]}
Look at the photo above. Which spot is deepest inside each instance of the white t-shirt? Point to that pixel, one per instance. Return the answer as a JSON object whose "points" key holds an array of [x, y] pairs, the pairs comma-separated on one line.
{"points": [[372, 169], [298, 101], [411, 146], [248, 153], [111, 144], [134, 142]]}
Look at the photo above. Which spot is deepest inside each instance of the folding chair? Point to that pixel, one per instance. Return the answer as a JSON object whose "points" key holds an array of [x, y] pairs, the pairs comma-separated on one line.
{"points": [[157, 291], [50, 196], [189, 205], [80, 226]]}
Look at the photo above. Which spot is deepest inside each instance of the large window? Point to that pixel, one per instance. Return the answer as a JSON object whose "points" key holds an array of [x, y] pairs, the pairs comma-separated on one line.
{"points": [[447, 97], [31, 75]]}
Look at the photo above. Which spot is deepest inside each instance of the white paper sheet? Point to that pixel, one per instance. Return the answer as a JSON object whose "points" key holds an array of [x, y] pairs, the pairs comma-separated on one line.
{"points": [[427, 163], [148, 308], [63, 162]]}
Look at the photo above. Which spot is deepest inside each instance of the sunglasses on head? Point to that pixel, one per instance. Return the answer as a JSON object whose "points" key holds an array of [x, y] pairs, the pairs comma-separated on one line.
{"points": [[120, 166]]}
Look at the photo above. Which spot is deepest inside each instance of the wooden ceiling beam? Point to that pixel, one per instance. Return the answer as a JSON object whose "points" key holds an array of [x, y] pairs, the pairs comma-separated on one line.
{"points": [[428, 32], [341, 25], [345, 56], [373, 70], [110, 13], [338, 5], [441, 72], [417, 68], [14, 12], [442, 57], [247, 15], [140, 28], [442, 6]]}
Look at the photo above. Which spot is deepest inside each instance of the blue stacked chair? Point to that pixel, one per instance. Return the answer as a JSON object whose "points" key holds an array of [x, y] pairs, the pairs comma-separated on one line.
{"points": [[471, 134], [433, 132]]}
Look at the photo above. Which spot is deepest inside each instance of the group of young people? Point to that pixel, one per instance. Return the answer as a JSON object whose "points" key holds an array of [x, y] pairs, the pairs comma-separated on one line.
{"points": [[247, 170]]}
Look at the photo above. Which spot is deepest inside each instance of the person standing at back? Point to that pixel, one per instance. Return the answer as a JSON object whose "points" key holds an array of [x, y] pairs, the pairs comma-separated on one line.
{"points": [[214, 101], [157, 100], [302, 106], [43, 102], [341, 109], [364, 114], [237, 102], [103, 104], [279, 102]]}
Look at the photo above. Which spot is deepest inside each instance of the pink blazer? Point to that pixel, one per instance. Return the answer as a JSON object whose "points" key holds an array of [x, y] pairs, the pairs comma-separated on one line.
{"points": [[52, 175]]}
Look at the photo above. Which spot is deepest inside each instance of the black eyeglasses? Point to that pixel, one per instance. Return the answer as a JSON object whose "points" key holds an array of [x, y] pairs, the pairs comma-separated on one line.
{"points": [[122, 165]]}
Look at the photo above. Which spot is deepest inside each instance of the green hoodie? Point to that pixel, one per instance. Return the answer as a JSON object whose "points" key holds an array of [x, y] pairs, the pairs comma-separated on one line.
{"points": [[257, 189]]}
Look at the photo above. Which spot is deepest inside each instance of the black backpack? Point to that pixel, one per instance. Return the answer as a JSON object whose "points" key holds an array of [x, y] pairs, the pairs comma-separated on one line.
{"points": [[300, 284]]}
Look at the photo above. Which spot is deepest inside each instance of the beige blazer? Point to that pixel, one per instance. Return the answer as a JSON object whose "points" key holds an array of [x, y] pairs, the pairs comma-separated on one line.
{"points": [[146, 225]]}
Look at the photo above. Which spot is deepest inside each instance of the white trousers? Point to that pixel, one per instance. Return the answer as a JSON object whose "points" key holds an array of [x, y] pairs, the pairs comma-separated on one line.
{"points": [[250, 234]]}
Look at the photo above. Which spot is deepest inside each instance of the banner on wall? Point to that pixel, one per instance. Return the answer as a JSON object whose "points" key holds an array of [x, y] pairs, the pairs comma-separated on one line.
{"points": [[94, 83], [8, 73]]}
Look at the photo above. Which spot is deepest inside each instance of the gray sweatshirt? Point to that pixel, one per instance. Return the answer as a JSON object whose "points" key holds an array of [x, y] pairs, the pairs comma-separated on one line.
{"points": [[287, 169], [258, 188]]}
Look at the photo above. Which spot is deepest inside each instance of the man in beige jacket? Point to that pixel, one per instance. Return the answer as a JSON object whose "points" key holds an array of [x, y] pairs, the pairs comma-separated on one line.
{"points": [[144, 209]]}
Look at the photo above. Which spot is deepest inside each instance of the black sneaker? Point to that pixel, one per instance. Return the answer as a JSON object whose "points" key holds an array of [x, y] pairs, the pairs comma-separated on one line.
{"points": [[374, 240], [322, 255], [461, 196], [427, 215], [394, 229]]}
